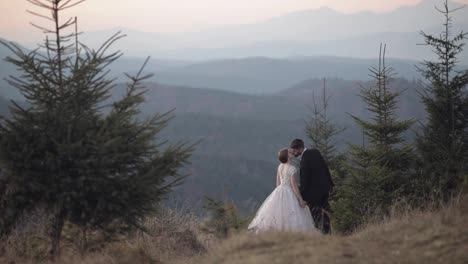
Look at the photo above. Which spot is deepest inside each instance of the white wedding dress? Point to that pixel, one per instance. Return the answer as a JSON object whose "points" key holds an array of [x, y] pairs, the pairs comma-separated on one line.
{"points": [[281, 211]]}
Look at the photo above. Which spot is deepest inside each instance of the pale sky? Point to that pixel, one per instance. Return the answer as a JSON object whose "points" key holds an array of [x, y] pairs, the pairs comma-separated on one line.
{"points": [[178, 15]]}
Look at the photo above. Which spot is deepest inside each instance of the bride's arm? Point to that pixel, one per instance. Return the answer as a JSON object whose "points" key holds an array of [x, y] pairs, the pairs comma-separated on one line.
{"points": [[277, 179], [295, 189]]}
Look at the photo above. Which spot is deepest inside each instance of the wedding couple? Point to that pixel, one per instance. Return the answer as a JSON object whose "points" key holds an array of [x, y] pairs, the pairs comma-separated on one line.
{"points": [[296, 208]]}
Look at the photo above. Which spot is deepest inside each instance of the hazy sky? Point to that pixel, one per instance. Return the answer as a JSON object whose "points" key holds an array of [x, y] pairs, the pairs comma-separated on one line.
{"points": [[178, 15]]}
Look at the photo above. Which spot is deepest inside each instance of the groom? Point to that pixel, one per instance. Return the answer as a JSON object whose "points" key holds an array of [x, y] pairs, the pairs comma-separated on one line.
{"points": [[315, 183]]}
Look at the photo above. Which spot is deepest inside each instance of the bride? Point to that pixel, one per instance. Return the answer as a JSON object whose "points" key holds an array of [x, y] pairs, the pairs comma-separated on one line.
{"points": [[284, 209]]}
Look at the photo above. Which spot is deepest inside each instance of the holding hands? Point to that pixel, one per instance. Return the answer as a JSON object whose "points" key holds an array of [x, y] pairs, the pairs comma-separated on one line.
{"points": [[303, 203]]}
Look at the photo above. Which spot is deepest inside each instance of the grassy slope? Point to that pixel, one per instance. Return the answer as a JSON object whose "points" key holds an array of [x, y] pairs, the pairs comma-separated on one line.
{"points": [[415, 237], [433, 236]]}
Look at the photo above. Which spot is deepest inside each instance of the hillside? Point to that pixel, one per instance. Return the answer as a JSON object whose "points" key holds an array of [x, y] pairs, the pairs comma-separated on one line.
{"points": [[439, 236], [261, 75], [176, 237], [236, 157], [244, 132], [285, 105]]}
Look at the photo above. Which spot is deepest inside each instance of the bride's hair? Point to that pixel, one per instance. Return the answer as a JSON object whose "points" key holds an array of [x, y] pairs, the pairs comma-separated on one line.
{"points": [[283, 155]]}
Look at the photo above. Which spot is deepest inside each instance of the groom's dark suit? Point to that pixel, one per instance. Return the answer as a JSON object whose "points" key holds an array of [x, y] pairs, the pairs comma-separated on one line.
{"points": [[316, 185]]}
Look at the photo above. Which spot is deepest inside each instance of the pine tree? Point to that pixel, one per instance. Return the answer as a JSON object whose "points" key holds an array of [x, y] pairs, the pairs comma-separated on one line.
{"points": [[71, 152], [443, 140], [380, 167], [322, 132], [224, 217]]}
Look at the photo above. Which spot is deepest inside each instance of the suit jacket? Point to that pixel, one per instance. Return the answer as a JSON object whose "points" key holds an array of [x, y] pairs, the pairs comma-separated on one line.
{"points": [[315, 178]]}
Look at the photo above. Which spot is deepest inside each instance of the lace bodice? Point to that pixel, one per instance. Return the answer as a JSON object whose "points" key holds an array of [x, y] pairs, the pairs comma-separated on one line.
{"points": [[285, 171]]}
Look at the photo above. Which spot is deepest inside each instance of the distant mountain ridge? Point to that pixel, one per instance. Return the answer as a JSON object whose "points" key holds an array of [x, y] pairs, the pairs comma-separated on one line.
{"points": [[315, 32], [251, 75], [310, 32], [261, 75]]}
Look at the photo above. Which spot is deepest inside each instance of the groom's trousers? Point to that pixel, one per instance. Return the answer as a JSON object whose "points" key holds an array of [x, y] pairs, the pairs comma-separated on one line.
{"points": [[321, 214]]}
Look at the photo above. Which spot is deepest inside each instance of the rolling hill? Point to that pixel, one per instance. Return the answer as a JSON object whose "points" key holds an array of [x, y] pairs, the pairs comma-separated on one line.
{"points": [[261, 75], [254, 75], [244, 132], [255, 106], [234, 129]]}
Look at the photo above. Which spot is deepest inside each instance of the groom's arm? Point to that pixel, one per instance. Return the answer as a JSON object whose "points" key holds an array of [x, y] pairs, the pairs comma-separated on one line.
{"points": [[304, 175], [327, 170], [320, 160]]}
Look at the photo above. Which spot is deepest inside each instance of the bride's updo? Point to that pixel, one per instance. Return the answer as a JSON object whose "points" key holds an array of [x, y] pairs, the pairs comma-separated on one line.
{"points": [[283, 155]]}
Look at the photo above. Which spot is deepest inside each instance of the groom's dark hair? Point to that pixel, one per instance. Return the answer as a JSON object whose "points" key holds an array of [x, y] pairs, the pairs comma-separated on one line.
{"points": [[297, 144]]}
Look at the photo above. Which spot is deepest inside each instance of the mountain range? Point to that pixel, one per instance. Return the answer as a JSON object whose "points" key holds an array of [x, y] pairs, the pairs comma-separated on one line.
{"points": [[305, 33], [278, 53], [254, 75]]}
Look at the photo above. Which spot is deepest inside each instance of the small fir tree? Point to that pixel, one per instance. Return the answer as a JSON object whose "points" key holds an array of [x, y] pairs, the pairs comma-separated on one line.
{"points": [[443, 140], [224, 218], [322, 132], [380, 167]]}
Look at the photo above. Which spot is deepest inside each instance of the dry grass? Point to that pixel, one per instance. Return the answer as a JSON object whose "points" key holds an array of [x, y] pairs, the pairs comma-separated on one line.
{"points": [[439, 236], [27, 241], [408, 236], [172, 235]]}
